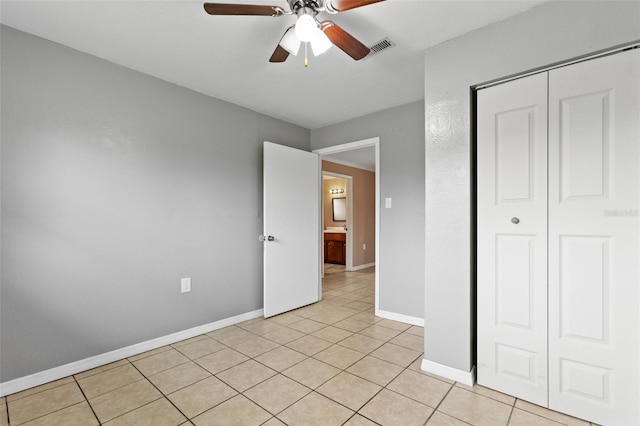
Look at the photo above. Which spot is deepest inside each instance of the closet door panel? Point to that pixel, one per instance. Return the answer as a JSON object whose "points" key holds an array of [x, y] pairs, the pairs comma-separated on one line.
{"points": [[594, 233], [512, 245]]}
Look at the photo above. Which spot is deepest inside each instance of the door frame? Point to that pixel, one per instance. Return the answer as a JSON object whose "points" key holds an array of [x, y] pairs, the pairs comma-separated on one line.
{"points": [[349, 222], [364, 143]]}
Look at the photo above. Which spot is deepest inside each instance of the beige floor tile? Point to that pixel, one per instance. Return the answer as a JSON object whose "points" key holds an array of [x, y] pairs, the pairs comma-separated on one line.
{"points": [[358, 420], [286, 318], [273, 421], [375, 370], [549, 414], [410, 341], [307, 326], [41, 388], [109, 380], [157, 413], [78, 414], [361, 343], [315, 410], [417, 367], [524, 418], [475, 409], [339, 356], [396, 354], [201, 396], [236, 411], [424, 389], [349, 390], [256, 346], [390, 408], [311, 372], [221, 360], [481, 390], [45, 402], [4, 419], [332, 334], [441, 419], [351, 324], [245, 375], [110, 405], [232, 336], [308, 345], [416, 330], [148, 353], [394, 325], [101, 369], [281, 358], [359, 305], [200, 348], [367, 317], [178, 377], [378, 332], [189, 341], [284, 335], [262, 327], [277, 393], [160, 362]]}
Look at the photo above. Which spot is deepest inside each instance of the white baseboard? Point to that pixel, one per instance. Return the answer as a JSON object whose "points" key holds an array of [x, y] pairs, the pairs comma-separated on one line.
{"points": [[37, 379], [465, 377], [365, 266], [401, 318]]}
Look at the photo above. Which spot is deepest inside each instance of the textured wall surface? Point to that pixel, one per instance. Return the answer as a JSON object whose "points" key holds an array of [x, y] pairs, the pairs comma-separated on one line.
{"points": [[401, 133], [114, 186], [544, 35]]}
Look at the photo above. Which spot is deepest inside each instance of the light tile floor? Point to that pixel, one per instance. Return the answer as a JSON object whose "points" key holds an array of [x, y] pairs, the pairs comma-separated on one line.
{"points": [[331, 363]]}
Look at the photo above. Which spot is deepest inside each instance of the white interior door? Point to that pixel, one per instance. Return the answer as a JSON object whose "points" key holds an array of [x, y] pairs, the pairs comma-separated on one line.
{"points": [[291, 228], [512, 238], [594, 232]]}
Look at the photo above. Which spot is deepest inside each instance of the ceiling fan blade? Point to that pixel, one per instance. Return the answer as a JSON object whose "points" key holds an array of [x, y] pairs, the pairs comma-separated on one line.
{"points": [[242, 9], [342, 5], [279, 55], [345, 41]]}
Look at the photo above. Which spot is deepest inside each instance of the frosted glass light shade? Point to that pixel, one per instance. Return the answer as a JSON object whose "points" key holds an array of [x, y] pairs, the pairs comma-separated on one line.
{"points": [[305, 27], [320, 43], [290, 41]]}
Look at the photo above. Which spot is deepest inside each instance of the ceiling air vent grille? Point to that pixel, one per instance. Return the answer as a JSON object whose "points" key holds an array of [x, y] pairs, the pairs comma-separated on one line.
{"points": [[378, 47]]}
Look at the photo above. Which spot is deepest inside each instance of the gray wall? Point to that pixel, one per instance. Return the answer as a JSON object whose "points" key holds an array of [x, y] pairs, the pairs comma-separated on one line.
{"points": [[401, 132], [114, 186], [550, 33]]}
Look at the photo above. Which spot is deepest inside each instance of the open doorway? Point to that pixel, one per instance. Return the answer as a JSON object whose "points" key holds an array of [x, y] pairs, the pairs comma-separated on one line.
{"points": [[364, 156]]}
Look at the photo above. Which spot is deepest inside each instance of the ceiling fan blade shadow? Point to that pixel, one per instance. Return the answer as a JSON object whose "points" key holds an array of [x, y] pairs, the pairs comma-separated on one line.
{"points": [[242, 9], [279, 55], [342, 5], [345, 41]]}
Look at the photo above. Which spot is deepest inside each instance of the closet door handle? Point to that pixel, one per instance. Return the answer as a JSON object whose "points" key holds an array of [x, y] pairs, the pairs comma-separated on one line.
{"points": [[515, 220]]}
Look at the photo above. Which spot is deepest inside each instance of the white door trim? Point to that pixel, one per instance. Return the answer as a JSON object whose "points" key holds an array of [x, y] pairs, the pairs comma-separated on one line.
{"points": [[375, 142]]}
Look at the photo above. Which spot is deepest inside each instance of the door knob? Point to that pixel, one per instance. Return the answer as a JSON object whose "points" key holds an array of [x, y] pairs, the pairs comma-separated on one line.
{"points": [[515, 220], [264, 238]]}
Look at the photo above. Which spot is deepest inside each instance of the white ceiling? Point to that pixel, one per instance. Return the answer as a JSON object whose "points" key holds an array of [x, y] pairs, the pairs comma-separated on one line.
{"points": [[227, 56]]}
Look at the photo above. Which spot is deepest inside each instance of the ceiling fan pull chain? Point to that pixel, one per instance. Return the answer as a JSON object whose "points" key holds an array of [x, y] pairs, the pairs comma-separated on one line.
{"points": [[306, 63]]}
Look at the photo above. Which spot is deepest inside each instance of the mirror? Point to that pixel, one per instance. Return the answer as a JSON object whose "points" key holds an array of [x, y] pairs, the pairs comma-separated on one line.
{"points": [[339, 209]]}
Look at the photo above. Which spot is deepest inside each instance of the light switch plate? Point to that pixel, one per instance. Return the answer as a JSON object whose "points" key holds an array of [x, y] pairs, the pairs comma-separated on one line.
{"points": [[185, 285], [387, 202]]}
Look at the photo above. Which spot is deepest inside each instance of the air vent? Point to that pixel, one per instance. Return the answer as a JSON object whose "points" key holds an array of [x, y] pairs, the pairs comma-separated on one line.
{"points": [[378, 47]]}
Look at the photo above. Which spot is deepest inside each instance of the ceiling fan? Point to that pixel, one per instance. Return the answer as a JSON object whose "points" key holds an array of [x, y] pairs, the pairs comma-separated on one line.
{"points": [[308, 29]]}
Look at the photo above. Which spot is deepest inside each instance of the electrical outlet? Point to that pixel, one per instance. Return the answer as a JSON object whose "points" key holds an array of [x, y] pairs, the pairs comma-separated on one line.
{"points": [[185, 285], [364, 246]]}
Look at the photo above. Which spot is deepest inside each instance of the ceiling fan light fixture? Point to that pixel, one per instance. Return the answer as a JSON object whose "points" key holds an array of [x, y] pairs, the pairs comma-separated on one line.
{"points": [[305, 27], [290, 41], [320, 43]]}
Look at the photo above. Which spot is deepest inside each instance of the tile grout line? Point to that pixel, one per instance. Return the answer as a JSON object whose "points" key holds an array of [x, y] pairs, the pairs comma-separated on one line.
{"points": [[86, 399]]}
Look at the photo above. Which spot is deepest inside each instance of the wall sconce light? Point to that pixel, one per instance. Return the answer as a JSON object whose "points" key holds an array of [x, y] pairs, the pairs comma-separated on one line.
{"points": [[337, 191]]}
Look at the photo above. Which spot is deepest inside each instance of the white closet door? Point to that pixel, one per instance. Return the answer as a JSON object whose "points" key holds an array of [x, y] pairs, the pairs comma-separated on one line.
{"points": [[594, 258], [512, 271]]}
